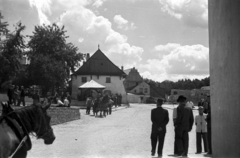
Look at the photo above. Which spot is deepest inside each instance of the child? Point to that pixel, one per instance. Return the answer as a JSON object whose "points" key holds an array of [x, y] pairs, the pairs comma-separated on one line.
{"points": [[201, 130]]}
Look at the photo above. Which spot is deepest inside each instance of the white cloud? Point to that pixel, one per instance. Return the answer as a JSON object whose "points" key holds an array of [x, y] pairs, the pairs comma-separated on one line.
{"points": [[192, 12], [80, 40], [98, 3], [42, 7], [83, 23], [123, 23], [178, 62]]}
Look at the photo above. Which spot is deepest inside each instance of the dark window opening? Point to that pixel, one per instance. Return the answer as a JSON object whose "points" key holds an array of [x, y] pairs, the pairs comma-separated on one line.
{"points": [[84, 79], [108, 80]]}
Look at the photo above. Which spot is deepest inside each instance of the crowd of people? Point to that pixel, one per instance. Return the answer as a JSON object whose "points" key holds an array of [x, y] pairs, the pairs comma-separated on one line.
{"points": [[93, 102], [16, 96], [183, 120]]}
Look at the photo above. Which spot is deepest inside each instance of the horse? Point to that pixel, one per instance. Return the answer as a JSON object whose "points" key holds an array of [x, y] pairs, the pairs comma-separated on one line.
{"points": [[103, 105], [6, 108], [16, 125]]}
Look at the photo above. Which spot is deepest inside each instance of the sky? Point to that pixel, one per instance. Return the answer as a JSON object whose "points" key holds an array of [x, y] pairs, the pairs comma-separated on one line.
{"points": [[162, 39]]}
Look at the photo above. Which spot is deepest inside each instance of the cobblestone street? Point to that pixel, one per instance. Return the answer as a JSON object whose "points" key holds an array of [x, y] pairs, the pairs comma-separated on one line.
{"points": [[124, 134]]}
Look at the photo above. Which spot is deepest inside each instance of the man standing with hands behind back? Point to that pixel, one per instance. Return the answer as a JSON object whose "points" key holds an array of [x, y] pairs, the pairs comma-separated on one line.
{"points": [[160, 119]]}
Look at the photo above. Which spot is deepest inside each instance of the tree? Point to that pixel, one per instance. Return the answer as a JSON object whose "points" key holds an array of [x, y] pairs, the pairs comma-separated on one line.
{"points": [[52, 60], [11, 51]]}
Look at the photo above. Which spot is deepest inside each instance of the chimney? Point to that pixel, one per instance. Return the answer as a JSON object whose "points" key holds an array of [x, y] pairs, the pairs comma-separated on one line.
{"points": [[122, 68], [88, 56]]}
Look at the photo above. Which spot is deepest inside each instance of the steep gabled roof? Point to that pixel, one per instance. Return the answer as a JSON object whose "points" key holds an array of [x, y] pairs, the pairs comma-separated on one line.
{"points": [[127, 71], [99, 64]]}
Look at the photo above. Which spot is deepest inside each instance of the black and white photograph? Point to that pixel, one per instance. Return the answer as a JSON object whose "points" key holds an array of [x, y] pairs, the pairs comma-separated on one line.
{"points": [[119, 78]]}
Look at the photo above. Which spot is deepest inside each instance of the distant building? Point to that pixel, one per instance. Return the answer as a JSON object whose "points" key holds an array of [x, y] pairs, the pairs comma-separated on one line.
{"points": [[100, 69], [138, 90], [133, 79], [194, 95]]}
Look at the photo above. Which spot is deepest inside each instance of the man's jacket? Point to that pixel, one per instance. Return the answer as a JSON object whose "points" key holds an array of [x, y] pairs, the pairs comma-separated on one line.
{"points": [[184, 118], [160, 118]]}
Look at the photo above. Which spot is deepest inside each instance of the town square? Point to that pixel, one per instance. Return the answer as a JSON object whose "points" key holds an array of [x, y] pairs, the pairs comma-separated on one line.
{"points": [[119, 78]]}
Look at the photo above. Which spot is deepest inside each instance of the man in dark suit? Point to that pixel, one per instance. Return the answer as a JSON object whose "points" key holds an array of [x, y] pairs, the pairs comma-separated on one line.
{"points": [[160, 119], [207, 110], [183, 124]]}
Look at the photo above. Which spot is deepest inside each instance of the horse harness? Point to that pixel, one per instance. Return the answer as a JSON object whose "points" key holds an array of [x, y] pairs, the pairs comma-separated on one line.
{"points": [[15, 122]]}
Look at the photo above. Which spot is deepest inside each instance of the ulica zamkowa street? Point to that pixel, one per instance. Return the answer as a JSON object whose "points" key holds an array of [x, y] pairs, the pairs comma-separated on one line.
{"points": [[124, 134]]}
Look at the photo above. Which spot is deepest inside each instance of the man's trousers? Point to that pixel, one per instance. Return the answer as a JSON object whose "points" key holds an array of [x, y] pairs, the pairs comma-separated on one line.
{"points": [[182, 140], [157, 137], [199, 137]]}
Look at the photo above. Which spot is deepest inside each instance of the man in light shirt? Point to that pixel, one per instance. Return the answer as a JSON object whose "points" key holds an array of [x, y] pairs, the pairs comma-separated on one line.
{"points": [[201, 131]]}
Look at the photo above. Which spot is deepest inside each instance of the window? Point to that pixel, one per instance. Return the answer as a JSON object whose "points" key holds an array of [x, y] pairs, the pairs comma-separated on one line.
{"points": [[84, 79], [108, 80], [146, 90]]}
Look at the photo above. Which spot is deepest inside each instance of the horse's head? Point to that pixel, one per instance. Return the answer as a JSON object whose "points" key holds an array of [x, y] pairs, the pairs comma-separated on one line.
{"points": [[44, 129], [6, 108]]}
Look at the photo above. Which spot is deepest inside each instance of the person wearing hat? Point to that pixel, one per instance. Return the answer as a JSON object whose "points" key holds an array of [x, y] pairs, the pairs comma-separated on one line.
{"points": [[160, 119], [207, 110], [183, 125], [201, 130]]}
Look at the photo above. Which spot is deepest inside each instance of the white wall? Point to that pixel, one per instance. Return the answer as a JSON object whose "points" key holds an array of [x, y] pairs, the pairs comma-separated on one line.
{"points": [[116, 85], [142, 85]]}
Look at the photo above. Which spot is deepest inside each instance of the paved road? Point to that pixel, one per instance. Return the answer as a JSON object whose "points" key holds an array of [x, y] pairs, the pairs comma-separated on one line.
{"points": [[124, 134]]}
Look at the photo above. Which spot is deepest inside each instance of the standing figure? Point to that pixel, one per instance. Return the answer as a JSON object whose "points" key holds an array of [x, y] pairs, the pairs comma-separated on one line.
{"points": [[69, 98], [62, 96], [15, 95], [174, 121], [207, 110], [201, 102], [10, 94], [160, 119], [201, 131], [88, 104], [22, 96], [184, 123], [35, 97], [120, 99], [56, 97]]}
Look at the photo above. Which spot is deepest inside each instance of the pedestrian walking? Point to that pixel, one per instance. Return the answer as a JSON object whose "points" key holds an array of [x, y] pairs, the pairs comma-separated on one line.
{"points": [[160, 119], [183, 124], [201, 131], [22, 96]]}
